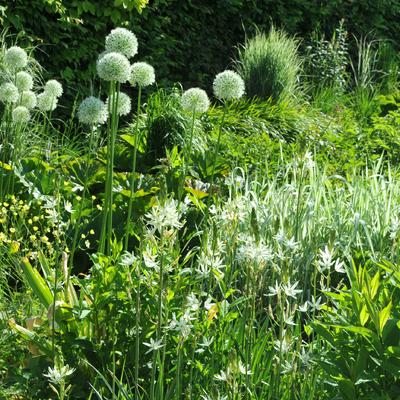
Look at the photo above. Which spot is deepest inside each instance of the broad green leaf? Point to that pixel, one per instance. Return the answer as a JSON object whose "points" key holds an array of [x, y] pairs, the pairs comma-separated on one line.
{"points": [[384, 316], [364, 316], [375, 285], [37, 283]]}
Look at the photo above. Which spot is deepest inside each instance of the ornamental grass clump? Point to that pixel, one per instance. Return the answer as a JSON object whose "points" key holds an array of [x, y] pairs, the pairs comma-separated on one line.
{"points": [[270, 65]]}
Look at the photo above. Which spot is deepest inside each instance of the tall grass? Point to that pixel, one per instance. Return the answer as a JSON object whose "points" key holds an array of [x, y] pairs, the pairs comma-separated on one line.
{"points": [[270, 65]]}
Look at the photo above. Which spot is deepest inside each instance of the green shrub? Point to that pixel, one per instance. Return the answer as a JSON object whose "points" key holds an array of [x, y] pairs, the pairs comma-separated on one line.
{"points": [[270, 65]]}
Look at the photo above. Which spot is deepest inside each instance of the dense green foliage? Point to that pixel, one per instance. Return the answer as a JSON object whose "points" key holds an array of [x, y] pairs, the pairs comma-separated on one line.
{"points": [[193, 248], [71, 32]]}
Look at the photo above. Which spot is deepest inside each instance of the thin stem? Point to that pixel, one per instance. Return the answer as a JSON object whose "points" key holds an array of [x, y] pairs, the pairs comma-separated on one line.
{"points": [[133, 173]]}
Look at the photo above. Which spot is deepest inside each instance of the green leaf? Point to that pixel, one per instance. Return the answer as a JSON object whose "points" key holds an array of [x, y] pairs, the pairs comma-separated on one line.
{"points": [[347, 389], [384, 316], [37, 283]]}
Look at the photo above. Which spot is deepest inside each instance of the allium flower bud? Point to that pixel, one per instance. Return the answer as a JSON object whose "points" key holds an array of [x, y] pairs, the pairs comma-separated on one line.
{"points": [[46, 102], [142, 74], [124, 104], [23, 81], [53, 88], [92, 111], [195, 100], [121, 40], [228, 85], [21, 115], [8, 93], [15, 58], [114, 67], [28, 99]]}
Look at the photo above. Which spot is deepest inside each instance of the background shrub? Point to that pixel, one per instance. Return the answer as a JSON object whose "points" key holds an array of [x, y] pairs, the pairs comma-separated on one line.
{"points": [[74, 31]]}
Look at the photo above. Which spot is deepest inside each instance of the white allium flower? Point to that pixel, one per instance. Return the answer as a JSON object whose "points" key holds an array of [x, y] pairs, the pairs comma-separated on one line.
{"points": [[195, 100], [8, 93], [23, 81], [15, 58], [92, 111], [228, 85], [142, 74], [46, 102], [21, 115], [28, 99], [122, 40], [123, 106], [114, 67], [53, 88]]}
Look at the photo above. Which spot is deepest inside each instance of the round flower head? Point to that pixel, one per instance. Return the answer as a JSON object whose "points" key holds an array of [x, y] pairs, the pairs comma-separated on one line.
{"points": [[53, 88], [23, 81], [92, 111], [21, 115], [228, 85], [114, 67], [142, 74], [8, 93], [195, 100], [46, 102], [28, 99], [15, 58], [121, 40], [124, 104]]}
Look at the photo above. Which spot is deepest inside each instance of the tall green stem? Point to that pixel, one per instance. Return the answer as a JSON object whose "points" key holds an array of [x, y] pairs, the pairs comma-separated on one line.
{"points": [[133, 173]]}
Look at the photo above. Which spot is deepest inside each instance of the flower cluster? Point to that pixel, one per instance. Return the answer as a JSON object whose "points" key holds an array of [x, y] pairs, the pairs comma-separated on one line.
{"points": [[142, 74], [228, 85], [195, 100], [92, 111]]}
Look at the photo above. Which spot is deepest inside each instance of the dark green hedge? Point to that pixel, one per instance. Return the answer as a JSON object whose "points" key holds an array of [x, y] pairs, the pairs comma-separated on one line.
{"points": [[186, 40]]}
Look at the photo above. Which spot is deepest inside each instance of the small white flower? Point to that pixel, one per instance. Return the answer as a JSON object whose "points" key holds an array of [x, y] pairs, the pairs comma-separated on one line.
{"points": [[68, 207], [164, 216], [128, 259], [153, 345], [290, 290], [59, 375]]}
